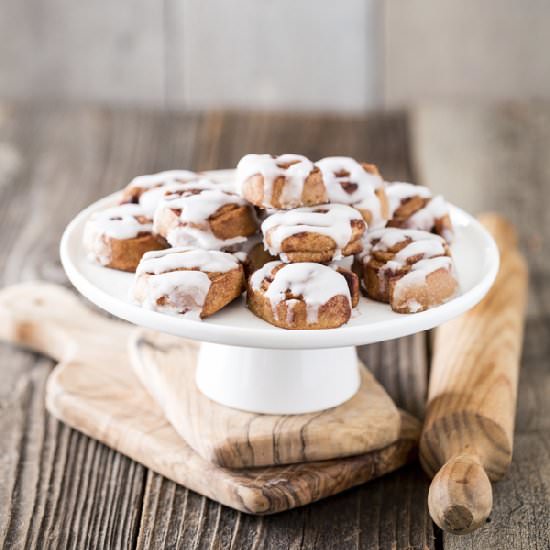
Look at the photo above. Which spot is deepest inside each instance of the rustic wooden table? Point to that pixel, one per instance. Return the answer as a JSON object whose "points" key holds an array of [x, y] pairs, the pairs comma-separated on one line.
{"points": [[60, 489]]}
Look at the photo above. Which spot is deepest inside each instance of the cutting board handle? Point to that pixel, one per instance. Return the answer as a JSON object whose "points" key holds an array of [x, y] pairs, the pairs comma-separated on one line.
{"points": [[50, 319], [460, 497]]}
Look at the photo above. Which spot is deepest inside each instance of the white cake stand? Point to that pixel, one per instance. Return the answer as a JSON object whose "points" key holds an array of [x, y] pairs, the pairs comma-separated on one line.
{"points": [[248, 364]]}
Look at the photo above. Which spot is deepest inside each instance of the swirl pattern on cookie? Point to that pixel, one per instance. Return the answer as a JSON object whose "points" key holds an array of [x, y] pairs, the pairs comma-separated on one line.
{"points": [[357, 184], [283, 182], [300, 296], [147, 190], [412, 270], [319, 233], [202, 214], [190, 282], [414, 207], [117, 237]]}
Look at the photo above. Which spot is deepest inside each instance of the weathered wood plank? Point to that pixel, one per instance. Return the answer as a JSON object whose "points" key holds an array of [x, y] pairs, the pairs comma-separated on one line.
{"points": [[496, 158], [74, 156], [57, 485], [359, 518]]}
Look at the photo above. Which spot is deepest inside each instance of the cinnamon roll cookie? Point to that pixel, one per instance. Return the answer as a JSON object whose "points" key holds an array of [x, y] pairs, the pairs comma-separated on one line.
{"points": [[185, 281], [118, 237], [283, 182], [300, 296], [414, 207], [321, 233], [411, 270], [204, 215], [356, 184], [147, 190]]}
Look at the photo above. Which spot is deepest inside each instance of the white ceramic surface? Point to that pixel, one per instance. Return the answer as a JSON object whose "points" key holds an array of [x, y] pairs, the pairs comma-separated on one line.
{"points": [[277, 381], [268, 377]]}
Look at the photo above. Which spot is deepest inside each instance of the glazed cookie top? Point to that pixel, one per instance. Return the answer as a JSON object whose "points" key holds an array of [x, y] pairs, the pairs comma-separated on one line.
{"points": [[333, 220], [294, 168], [147, 190], [195, 202], [163, 178], [350, 182], [126, 221], [314, 284], [403, 244], [183, 258], [414, 253], [177, 281], [424, 219]]}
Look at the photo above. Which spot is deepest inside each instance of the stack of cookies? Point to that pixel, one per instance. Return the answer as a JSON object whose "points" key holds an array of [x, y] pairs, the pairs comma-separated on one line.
{"points": [[298, 235]]}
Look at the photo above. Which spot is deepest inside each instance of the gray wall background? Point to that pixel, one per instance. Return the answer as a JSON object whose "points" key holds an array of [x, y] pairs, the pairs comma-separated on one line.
{"points": [[346, 55]]}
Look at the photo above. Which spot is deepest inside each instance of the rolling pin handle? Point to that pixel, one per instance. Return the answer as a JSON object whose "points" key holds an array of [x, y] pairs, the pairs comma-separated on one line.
{"points": [[460, 497]]}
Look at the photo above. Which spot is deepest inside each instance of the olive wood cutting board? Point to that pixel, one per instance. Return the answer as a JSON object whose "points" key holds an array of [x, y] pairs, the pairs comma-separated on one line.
{"points": [[94, 389], [237, 439]]}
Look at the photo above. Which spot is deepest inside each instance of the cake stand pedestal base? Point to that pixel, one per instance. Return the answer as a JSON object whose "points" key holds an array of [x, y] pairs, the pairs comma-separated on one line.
{"points": [[275, 381]]}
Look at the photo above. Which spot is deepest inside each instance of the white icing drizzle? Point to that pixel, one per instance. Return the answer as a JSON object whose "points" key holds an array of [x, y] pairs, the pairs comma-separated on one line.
{"points": [[428, 247], [179, 276], [120, 222], [163, 178], [332, 220], [184, 292], [399, 191], [270, 168], [316, 284], [211, 261], [423, 219], [193, 229], [422, 242], [417, 277], [150, 199], [361, 185], [383, 239]]}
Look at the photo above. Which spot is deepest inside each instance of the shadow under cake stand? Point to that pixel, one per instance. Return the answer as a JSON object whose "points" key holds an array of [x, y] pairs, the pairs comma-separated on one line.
{"points": [[248, 364]]}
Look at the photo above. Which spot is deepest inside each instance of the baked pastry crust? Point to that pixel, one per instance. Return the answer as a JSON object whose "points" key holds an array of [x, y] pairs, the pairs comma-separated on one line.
{"points": [[414, 207], [118, 237], [283, 182], [254, 256], [356, 184], [190, 282], [411, 270], [201, 214], [299, 296], [147, 190], [314, 234]]}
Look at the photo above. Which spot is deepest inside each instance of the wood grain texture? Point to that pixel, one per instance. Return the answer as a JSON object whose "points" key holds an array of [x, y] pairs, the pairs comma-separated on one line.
{"points": [[166, 365], [520, 517], [495, 158], [469, 427], [94, 390], [72, 156], [473, 380]]}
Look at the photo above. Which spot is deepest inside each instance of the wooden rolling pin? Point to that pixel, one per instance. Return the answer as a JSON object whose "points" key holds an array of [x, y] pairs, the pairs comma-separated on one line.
{"points": [[468, 432]]}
